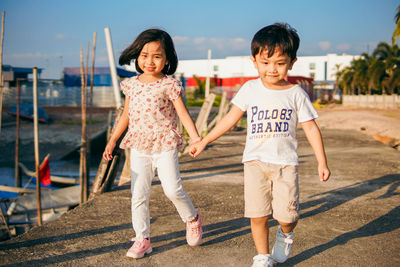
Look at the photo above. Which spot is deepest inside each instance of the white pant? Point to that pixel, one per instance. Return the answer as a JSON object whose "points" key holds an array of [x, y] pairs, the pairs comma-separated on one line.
{"points": [[142, 173]]}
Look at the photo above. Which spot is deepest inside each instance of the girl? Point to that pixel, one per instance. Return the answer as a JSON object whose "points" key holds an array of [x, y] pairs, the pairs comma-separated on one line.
{"points": [[152, 103]]}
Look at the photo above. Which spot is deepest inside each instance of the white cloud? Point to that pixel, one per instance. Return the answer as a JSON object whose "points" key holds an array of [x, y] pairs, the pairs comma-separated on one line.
{"points": [[343, 47], [199, 40], [324, 45], [26, 55], [196, 47], [180, 39], [61, 36]]}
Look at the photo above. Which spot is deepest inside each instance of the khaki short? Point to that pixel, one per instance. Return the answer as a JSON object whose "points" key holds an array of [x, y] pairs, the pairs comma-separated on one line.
{"points": [[271, 189]]}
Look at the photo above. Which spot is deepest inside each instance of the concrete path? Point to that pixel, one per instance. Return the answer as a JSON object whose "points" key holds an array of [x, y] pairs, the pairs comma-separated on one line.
{"points": [[352, 220]]}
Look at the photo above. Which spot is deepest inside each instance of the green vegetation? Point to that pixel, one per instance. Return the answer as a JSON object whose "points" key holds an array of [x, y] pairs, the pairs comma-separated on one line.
{"points": [[196, 98], [199, 102], [376, 73]]}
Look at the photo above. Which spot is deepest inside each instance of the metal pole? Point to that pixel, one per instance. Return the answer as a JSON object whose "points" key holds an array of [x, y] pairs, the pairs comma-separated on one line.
{"points": [[208, 73], [36, 141], [113, 69]]}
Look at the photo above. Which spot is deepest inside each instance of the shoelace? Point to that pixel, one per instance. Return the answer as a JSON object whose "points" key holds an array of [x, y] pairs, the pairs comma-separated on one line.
{"points": [[194, 227], [259, 260], [286, 240], [138, 244]]}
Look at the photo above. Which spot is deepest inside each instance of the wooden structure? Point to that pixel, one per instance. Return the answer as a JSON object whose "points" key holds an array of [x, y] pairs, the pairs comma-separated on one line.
{"points": [[107, 170]]}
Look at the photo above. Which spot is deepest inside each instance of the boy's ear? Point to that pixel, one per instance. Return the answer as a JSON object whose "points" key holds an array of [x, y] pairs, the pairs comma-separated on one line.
{"points": [[253, 59], [291, 63]]}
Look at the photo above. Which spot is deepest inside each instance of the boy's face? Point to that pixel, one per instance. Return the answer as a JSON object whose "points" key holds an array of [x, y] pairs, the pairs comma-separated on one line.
{"points": [[273, 70]]}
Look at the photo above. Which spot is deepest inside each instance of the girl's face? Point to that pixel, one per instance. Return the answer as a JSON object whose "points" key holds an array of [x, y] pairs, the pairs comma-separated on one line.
{"points": [[152, 59]]}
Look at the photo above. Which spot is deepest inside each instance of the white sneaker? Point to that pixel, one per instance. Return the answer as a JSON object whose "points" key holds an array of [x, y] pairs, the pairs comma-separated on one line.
{"points": [[263, 260], [282, 246]]}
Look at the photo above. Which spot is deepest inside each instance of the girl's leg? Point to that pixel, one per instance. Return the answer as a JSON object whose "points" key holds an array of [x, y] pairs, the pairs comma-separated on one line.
{"points": [[142, 173], [168, 172], [260, 233]]}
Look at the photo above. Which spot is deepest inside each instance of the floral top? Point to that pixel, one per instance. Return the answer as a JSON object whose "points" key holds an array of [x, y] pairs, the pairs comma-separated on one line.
{"points": [[153, 121]]}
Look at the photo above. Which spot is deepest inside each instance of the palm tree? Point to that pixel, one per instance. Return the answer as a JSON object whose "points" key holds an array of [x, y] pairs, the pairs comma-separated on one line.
{"points": [[396, 32], [360, 79], [388, 57], [345, 80]]}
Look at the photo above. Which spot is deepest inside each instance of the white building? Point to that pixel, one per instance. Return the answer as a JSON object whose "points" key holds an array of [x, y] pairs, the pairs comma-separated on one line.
{"points": [[320, 68]]}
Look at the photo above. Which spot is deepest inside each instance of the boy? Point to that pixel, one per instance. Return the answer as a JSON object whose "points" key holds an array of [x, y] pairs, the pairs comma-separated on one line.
{"points": [[274, 108]]}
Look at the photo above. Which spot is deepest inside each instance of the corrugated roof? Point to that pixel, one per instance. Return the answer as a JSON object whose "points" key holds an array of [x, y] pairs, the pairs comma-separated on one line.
{"points": [[97, 71]]}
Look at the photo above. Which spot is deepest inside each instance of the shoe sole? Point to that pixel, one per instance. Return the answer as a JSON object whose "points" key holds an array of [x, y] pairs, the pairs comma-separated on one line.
{"points": [[195, 244], [278, 260], [138, 256]]}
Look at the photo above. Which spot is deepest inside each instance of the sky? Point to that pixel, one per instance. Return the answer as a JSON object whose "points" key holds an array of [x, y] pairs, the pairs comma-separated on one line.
{"points": [[48, 34]]}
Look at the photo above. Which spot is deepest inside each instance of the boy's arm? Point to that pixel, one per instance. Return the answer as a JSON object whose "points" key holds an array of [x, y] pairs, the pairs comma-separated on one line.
{"points": [[185, 118], [315, 139], [226, 123]]}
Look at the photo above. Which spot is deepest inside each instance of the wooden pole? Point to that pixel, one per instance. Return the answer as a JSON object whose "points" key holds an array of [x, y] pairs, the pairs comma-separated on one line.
{"points": [[83, 162], [90, 112], [91, 81], [17, 174], [107, 170], [36, 141], [1, 67]]}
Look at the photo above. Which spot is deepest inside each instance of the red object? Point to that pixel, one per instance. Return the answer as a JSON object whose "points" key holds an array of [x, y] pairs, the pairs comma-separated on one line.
{"points": [[45, 171]]}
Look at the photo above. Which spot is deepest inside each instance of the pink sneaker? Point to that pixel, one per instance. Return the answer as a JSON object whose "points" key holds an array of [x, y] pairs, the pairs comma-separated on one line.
{"points": [[194, 231], [139, 248]]}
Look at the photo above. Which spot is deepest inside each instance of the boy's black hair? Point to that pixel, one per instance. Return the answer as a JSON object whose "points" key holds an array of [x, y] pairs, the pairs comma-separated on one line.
{"points": [[151, 35], [278, 35]]}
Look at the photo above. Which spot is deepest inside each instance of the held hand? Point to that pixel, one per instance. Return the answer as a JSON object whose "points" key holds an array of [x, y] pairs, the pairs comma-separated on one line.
{"points": [[324, 173], [107, 154], [196, 148]]}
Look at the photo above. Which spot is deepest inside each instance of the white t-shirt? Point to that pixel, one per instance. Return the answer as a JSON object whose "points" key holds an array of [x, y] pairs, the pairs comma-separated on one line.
{"points": [[272, 118]]}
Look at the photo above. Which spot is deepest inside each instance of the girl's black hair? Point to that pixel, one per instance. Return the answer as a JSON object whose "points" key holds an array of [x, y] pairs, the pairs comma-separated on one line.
{"points": [[151, 35], [278, 35]]}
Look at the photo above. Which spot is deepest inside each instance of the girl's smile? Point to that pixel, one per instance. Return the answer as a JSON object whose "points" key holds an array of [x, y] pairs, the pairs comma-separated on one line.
{"points": [[152, 60]]}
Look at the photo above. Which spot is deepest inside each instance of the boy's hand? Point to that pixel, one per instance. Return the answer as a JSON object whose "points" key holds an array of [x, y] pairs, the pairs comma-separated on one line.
{"points": [[196, 148], [107, 154], [324, 173]]}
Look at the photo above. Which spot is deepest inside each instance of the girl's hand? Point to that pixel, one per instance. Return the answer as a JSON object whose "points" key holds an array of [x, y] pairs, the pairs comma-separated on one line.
{"points": [[196, 148], [323, 173], [107, 154]]}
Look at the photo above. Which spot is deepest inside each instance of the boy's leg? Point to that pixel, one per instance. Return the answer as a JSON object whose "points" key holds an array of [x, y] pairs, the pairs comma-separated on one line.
{"points": [[260, 233], [257, 195], [287, 227], [286, 210]]}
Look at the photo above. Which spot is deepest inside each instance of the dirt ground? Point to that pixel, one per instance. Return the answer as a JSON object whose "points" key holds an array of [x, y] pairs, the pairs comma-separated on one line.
{"points": [[63, 132], [383, 125], [352, 220]]}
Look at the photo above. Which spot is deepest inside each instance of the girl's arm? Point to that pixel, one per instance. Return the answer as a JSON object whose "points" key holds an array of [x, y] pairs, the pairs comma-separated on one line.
{"points": [[185, 118], [118, 130], [226, 123], [315, 139]]}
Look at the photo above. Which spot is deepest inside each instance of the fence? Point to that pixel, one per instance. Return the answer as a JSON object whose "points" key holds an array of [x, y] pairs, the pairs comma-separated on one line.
{"points": [[372, 101], [59, 95]]}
